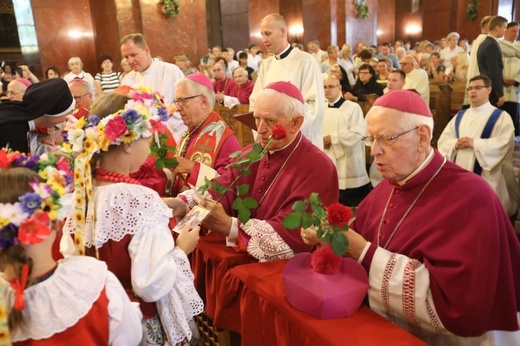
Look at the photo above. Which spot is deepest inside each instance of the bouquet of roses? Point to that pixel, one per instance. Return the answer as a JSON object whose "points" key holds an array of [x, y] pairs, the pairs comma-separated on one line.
{"points": [[244, 205]]}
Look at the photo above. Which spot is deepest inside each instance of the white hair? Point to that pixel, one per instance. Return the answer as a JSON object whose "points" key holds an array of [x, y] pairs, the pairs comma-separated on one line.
{"points": [[75, 59], [197, 88], [410, 120], [289, 107]]}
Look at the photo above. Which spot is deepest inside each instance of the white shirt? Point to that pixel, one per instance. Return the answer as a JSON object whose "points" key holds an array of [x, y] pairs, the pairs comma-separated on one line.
{"points": [[418, 79]]}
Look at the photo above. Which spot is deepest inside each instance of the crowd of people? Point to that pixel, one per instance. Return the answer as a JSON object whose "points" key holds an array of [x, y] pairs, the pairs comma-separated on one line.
{"points": [[85, 168]]}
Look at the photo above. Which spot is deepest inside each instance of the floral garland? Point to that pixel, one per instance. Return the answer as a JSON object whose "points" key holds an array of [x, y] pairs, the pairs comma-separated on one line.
{"points": [[472, 9], [362, 9], [27, 221], [170, 7]]}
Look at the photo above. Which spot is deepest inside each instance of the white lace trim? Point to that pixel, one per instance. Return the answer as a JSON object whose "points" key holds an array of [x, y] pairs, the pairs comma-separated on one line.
{"points": [[122, 209], [183, 294], [59, 302], [265, 243]]}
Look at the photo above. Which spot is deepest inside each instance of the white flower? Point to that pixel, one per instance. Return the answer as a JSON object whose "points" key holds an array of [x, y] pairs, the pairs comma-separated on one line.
{"points": [[13, 212], [66, 205], [75, 137], [143, 128]]}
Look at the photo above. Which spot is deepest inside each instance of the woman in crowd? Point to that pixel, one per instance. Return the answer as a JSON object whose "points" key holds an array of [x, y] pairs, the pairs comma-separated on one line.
{"points": [[76, 71], [7, 76], [338, 72], [366, 84], [72, 301], [52, 72], [460, 63], [125, 224], [383, 70], [346, 55], [333, 59], [125, 66], [108, 80], [436, 70]]}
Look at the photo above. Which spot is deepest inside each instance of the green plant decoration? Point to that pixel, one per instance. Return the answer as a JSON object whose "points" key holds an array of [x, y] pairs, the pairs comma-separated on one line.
{"points": [[362, 9], [170, 7], [472, 9]]}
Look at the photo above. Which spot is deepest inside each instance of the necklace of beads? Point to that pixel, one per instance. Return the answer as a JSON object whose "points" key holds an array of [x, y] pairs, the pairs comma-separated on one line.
{"points": [[114, 177]]}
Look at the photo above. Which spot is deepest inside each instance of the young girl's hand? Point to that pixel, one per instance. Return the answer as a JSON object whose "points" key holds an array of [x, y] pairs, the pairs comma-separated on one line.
{"points": [[188, 239]]}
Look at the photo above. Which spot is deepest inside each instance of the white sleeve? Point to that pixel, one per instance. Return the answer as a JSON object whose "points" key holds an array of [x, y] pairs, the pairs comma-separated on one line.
{"points": [[124, 316], [447, 141], [154, 270], [265, 244], [351, 129], [400, 291], [490, 152]]}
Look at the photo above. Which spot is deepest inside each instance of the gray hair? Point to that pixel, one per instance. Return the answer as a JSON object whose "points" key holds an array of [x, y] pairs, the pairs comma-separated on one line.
{"points": [[75, 59], [289, 107], [197, 88]]}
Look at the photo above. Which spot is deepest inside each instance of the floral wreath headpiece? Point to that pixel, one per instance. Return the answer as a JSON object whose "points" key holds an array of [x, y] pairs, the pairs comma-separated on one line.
{"points": [[27, 221], [140, 118]]}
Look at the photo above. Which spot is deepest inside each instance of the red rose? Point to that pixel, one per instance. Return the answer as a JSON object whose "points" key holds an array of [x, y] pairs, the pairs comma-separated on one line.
{"points": [[338, 215], [115, 128], [278, 132], [34, 230]]}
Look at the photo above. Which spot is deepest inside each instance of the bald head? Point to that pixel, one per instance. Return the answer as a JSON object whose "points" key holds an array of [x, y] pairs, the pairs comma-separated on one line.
{"points": [[407, 63], [15, 90], [240, 75], [274, 33], [332, 88]]}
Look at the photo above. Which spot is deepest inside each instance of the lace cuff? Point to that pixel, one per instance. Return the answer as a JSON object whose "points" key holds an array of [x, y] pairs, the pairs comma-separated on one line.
{"points": [[181, 303], [265, 244]]}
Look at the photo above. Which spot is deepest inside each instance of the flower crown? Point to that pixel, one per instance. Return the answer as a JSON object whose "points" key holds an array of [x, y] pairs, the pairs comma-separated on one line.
{"points": [[27, 221], [139, 119]]}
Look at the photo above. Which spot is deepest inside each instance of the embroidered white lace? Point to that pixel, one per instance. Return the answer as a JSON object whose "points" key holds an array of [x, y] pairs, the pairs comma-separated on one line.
{"points": [[265, 243]]}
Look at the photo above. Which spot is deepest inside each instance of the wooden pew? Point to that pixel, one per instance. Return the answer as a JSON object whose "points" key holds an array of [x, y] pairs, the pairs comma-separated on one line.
{"points": [[440, 104], [366, 105], [457, 96], [243, 133]]}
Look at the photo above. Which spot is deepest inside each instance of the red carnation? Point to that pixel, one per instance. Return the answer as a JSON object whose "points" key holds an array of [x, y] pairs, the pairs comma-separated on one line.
{"points": [[278, 132], [338, 215], [325, 261], [115, 128]]}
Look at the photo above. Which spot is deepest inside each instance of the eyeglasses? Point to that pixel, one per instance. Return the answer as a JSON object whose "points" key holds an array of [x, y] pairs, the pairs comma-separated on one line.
{"points": [[11, 92], [476, 87], [77, 98], [384, 140], [330, 86], [181, 101], [364, 72]]}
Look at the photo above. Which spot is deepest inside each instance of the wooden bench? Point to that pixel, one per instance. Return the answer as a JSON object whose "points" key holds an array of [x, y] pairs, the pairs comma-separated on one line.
{"points": [[457, 96], [243, 133], [440, 104]]}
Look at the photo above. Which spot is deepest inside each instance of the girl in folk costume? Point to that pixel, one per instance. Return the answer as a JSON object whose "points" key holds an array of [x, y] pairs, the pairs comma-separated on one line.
{"points": [[126, 224], [72, 301]]}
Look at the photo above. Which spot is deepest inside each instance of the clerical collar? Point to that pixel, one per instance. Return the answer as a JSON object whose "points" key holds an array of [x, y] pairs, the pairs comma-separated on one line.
{"points": [[336, 104], [285, 52], [426, 161]]}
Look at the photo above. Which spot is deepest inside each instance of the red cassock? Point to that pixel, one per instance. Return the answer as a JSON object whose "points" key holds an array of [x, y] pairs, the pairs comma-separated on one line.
{"points": [[460, 232]]}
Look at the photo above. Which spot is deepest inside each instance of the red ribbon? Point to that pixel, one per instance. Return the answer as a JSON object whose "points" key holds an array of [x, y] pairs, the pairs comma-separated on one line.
{"points": [[18, 285]]}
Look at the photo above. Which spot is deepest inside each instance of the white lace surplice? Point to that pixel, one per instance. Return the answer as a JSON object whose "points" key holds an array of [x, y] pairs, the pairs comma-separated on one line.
{"points": [[160, 271]]}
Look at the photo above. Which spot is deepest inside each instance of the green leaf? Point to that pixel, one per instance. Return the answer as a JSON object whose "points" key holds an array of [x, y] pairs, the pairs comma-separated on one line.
{"points": [[242, 189], [237, 203], [307, 220], [315, 198], [257, 148], [244, 215], [159, 164], [171, 163], [318, 210], [339, 243], [205, 187], [250, 202], [292, 221], [222, 190], [253, 156], [236, 154], [245, 171], [299, 206]]}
